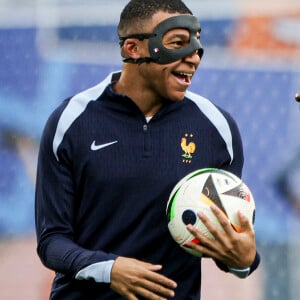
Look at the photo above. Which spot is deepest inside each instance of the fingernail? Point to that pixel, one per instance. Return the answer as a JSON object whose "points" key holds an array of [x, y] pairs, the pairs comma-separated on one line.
{"points": [[189, 227], [201, 214], [213, 207]]}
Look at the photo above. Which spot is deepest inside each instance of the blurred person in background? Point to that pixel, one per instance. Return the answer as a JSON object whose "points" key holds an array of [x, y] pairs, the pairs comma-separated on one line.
{"points": [[110, 156], [289, 177], [288, 181]]}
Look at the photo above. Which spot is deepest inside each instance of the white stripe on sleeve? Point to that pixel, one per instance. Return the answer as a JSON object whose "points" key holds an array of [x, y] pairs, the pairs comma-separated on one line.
{"points": [[216, 117], [74, 108]]}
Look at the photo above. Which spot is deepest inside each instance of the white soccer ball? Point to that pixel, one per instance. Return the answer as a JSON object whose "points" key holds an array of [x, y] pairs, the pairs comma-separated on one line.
{"points": [[197, 192]]}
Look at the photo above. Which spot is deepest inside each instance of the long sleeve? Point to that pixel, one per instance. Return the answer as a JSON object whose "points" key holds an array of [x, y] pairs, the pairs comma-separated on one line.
{"points": [[55, 205]]}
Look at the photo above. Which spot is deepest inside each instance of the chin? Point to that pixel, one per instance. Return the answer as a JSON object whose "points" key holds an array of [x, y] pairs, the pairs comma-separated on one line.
{"points": [[177, 97]]}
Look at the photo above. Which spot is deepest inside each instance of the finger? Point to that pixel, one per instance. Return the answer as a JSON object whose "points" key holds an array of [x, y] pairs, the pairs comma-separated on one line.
{"points": [[146, 294], [152, 267], [245, 223], [161, 280], [154, 286], [150, 290], [152, 275], [205, 245], [223, 220], [132, 297], [202, 239]]}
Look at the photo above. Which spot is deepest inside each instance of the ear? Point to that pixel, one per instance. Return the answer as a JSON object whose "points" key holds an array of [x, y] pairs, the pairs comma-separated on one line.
{"points": [[131, 48]]}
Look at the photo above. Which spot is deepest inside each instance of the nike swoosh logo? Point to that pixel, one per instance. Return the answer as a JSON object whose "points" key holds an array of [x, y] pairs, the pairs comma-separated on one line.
{"points": [[95, 147]]}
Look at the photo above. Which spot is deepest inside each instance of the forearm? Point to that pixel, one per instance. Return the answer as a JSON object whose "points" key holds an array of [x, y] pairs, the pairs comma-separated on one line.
{"points": [[61, 254]]}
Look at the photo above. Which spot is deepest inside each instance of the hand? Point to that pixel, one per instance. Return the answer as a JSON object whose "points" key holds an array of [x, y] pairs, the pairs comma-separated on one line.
{"points": [[236, 250], [133, 279]]}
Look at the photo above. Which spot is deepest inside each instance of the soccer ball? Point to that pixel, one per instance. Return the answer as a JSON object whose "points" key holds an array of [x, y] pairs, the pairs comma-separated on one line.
{"points": [[197, 192]]}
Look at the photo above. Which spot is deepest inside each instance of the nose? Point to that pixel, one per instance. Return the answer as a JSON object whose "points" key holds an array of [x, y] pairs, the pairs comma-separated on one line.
{"points": [[194, 58]]}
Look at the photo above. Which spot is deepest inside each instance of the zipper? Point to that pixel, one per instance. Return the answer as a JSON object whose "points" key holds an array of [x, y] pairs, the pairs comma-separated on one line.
{"points": [[147, 141]]}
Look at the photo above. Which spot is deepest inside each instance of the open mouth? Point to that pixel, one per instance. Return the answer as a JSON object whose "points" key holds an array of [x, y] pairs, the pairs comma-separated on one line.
{"points": [[183, 76]]}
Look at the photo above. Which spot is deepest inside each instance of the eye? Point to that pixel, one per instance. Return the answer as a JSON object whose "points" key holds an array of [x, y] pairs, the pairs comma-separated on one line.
{"points": [[176, 38], [177, 43]]}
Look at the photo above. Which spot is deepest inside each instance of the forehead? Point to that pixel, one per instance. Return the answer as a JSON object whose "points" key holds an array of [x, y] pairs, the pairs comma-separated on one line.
{"points": [[158, 18]]}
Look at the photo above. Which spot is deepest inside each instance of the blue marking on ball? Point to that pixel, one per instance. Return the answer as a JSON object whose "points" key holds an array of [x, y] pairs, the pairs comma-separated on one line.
{"points": [[189, 217]]}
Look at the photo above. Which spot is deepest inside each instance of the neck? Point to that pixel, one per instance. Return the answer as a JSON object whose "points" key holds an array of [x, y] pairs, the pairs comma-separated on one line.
{"points": [[132, 85]]}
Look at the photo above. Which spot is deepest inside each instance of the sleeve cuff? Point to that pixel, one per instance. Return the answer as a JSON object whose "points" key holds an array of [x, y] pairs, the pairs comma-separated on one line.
{"points": [[100, 272], [241, 273]]}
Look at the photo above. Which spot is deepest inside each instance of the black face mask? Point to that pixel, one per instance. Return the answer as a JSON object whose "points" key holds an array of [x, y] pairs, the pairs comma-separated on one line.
{"points": [[161, 54]]}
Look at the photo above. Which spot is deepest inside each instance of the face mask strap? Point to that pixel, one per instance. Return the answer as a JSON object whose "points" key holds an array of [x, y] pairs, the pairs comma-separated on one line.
{"points": [[139, 36]]}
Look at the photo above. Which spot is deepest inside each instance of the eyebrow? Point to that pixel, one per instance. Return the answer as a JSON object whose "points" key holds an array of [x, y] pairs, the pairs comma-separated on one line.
{"points": [[179, 35]]}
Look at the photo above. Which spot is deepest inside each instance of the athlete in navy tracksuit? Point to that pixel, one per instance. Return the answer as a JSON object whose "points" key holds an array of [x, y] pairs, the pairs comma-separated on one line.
{"points": [[105, 173]]}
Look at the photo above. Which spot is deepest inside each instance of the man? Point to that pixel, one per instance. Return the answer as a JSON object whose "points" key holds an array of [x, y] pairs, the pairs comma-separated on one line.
{"points": [[110, 156]]}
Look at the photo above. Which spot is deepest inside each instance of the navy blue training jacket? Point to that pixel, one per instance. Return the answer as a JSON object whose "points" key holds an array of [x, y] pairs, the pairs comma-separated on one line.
{"points": [[104, 178]]}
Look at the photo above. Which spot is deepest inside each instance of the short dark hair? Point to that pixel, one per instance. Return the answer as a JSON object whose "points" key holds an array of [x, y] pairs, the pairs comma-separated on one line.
{"points": [[139, 10]]}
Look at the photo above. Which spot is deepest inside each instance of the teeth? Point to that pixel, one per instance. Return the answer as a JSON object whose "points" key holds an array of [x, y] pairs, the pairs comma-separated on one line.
{"points": [[185, 74]]}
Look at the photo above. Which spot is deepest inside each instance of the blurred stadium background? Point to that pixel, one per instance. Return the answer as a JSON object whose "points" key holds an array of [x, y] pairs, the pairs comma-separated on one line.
{"points": [[51, 49]]}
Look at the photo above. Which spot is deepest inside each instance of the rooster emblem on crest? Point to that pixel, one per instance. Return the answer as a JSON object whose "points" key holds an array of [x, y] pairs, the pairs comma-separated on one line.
{"points": [[188, 148]]}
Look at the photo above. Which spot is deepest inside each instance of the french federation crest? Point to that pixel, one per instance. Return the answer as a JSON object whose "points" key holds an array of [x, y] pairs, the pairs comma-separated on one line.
{"points": [[188, 147]]}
